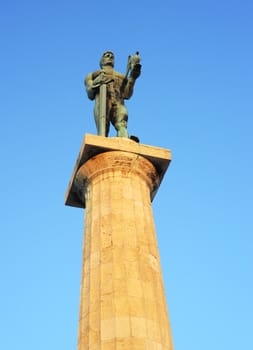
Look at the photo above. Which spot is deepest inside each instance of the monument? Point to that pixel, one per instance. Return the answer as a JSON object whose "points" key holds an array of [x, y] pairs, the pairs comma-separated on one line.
{"points": [[109, 89], [122, 301]]}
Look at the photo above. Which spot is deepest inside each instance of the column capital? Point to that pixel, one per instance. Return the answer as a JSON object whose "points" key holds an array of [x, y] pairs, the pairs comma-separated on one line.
{"points": [[122, 155]]}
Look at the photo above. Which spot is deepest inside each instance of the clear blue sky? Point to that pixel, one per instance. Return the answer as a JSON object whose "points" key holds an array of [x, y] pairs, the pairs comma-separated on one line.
{"points": [[194, 97]]}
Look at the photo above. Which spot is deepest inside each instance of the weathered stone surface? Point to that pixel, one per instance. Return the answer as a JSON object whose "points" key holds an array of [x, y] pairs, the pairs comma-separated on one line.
{"points": [[122, 295], [94, 145]]}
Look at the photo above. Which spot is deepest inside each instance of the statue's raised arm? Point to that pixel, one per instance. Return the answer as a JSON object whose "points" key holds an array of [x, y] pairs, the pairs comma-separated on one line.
{"points": [[109, 89]]}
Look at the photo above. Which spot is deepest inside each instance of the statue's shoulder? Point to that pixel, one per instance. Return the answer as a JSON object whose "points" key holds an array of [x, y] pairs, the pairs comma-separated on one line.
{"points": [[119, 75], [93, 75]]}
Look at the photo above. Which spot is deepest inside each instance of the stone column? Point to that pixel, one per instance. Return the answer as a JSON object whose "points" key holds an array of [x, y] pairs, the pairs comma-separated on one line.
{"points": [[123, 303]]}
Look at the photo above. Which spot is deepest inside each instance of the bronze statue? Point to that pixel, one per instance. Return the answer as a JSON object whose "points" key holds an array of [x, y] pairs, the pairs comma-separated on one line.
{"points": [[109, 89]]}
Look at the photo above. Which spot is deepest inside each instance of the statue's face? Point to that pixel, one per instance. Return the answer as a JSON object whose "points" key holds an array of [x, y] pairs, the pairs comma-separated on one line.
{"points": [[107, 59]]}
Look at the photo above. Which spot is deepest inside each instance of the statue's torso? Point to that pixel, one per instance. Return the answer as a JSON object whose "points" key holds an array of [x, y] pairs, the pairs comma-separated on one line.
{"points": [[115, 85]]}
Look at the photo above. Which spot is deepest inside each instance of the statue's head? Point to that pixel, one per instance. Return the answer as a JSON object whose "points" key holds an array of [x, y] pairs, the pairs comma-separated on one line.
{"points": [[107, 59]]}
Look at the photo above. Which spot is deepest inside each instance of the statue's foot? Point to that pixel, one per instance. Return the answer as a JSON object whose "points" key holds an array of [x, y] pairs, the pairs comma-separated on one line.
{"points": [[134, 138]]}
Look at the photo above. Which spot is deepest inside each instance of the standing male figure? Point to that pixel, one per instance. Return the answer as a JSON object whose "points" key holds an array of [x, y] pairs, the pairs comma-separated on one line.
{"points": [[118, 89]]}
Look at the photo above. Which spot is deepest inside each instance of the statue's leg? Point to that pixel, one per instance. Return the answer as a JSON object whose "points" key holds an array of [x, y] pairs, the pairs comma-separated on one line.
{"points": [[119, 119], [107, 126]]}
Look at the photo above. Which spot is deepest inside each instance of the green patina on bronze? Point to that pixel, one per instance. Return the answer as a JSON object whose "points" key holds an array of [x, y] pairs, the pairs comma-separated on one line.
{"points": [[109, 89]]}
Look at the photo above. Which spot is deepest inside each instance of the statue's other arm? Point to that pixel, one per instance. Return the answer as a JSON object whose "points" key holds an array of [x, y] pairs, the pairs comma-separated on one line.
{"points": [[128, 83], [128, 88]]}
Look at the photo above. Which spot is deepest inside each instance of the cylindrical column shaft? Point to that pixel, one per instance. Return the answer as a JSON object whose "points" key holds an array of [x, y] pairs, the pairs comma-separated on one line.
{"points": [[123, 303]]}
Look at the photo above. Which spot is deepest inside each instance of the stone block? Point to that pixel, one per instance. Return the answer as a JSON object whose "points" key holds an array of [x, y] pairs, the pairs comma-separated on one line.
{"points": [[122, 327], [108, 329], [121, 306], [136, 306], [138, 327], [134, 288]]}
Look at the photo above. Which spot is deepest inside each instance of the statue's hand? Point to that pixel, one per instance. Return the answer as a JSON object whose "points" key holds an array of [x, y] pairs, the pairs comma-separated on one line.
{"points": [[97, 81], [102, 78], [136, 71]]}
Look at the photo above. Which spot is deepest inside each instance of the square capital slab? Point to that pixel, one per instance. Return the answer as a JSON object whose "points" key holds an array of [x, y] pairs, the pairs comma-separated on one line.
{"points": [[93, 145]]}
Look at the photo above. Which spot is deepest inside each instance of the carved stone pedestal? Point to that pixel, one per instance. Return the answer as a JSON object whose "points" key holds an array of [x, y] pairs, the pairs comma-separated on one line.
{"points": [[123, 303]]}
